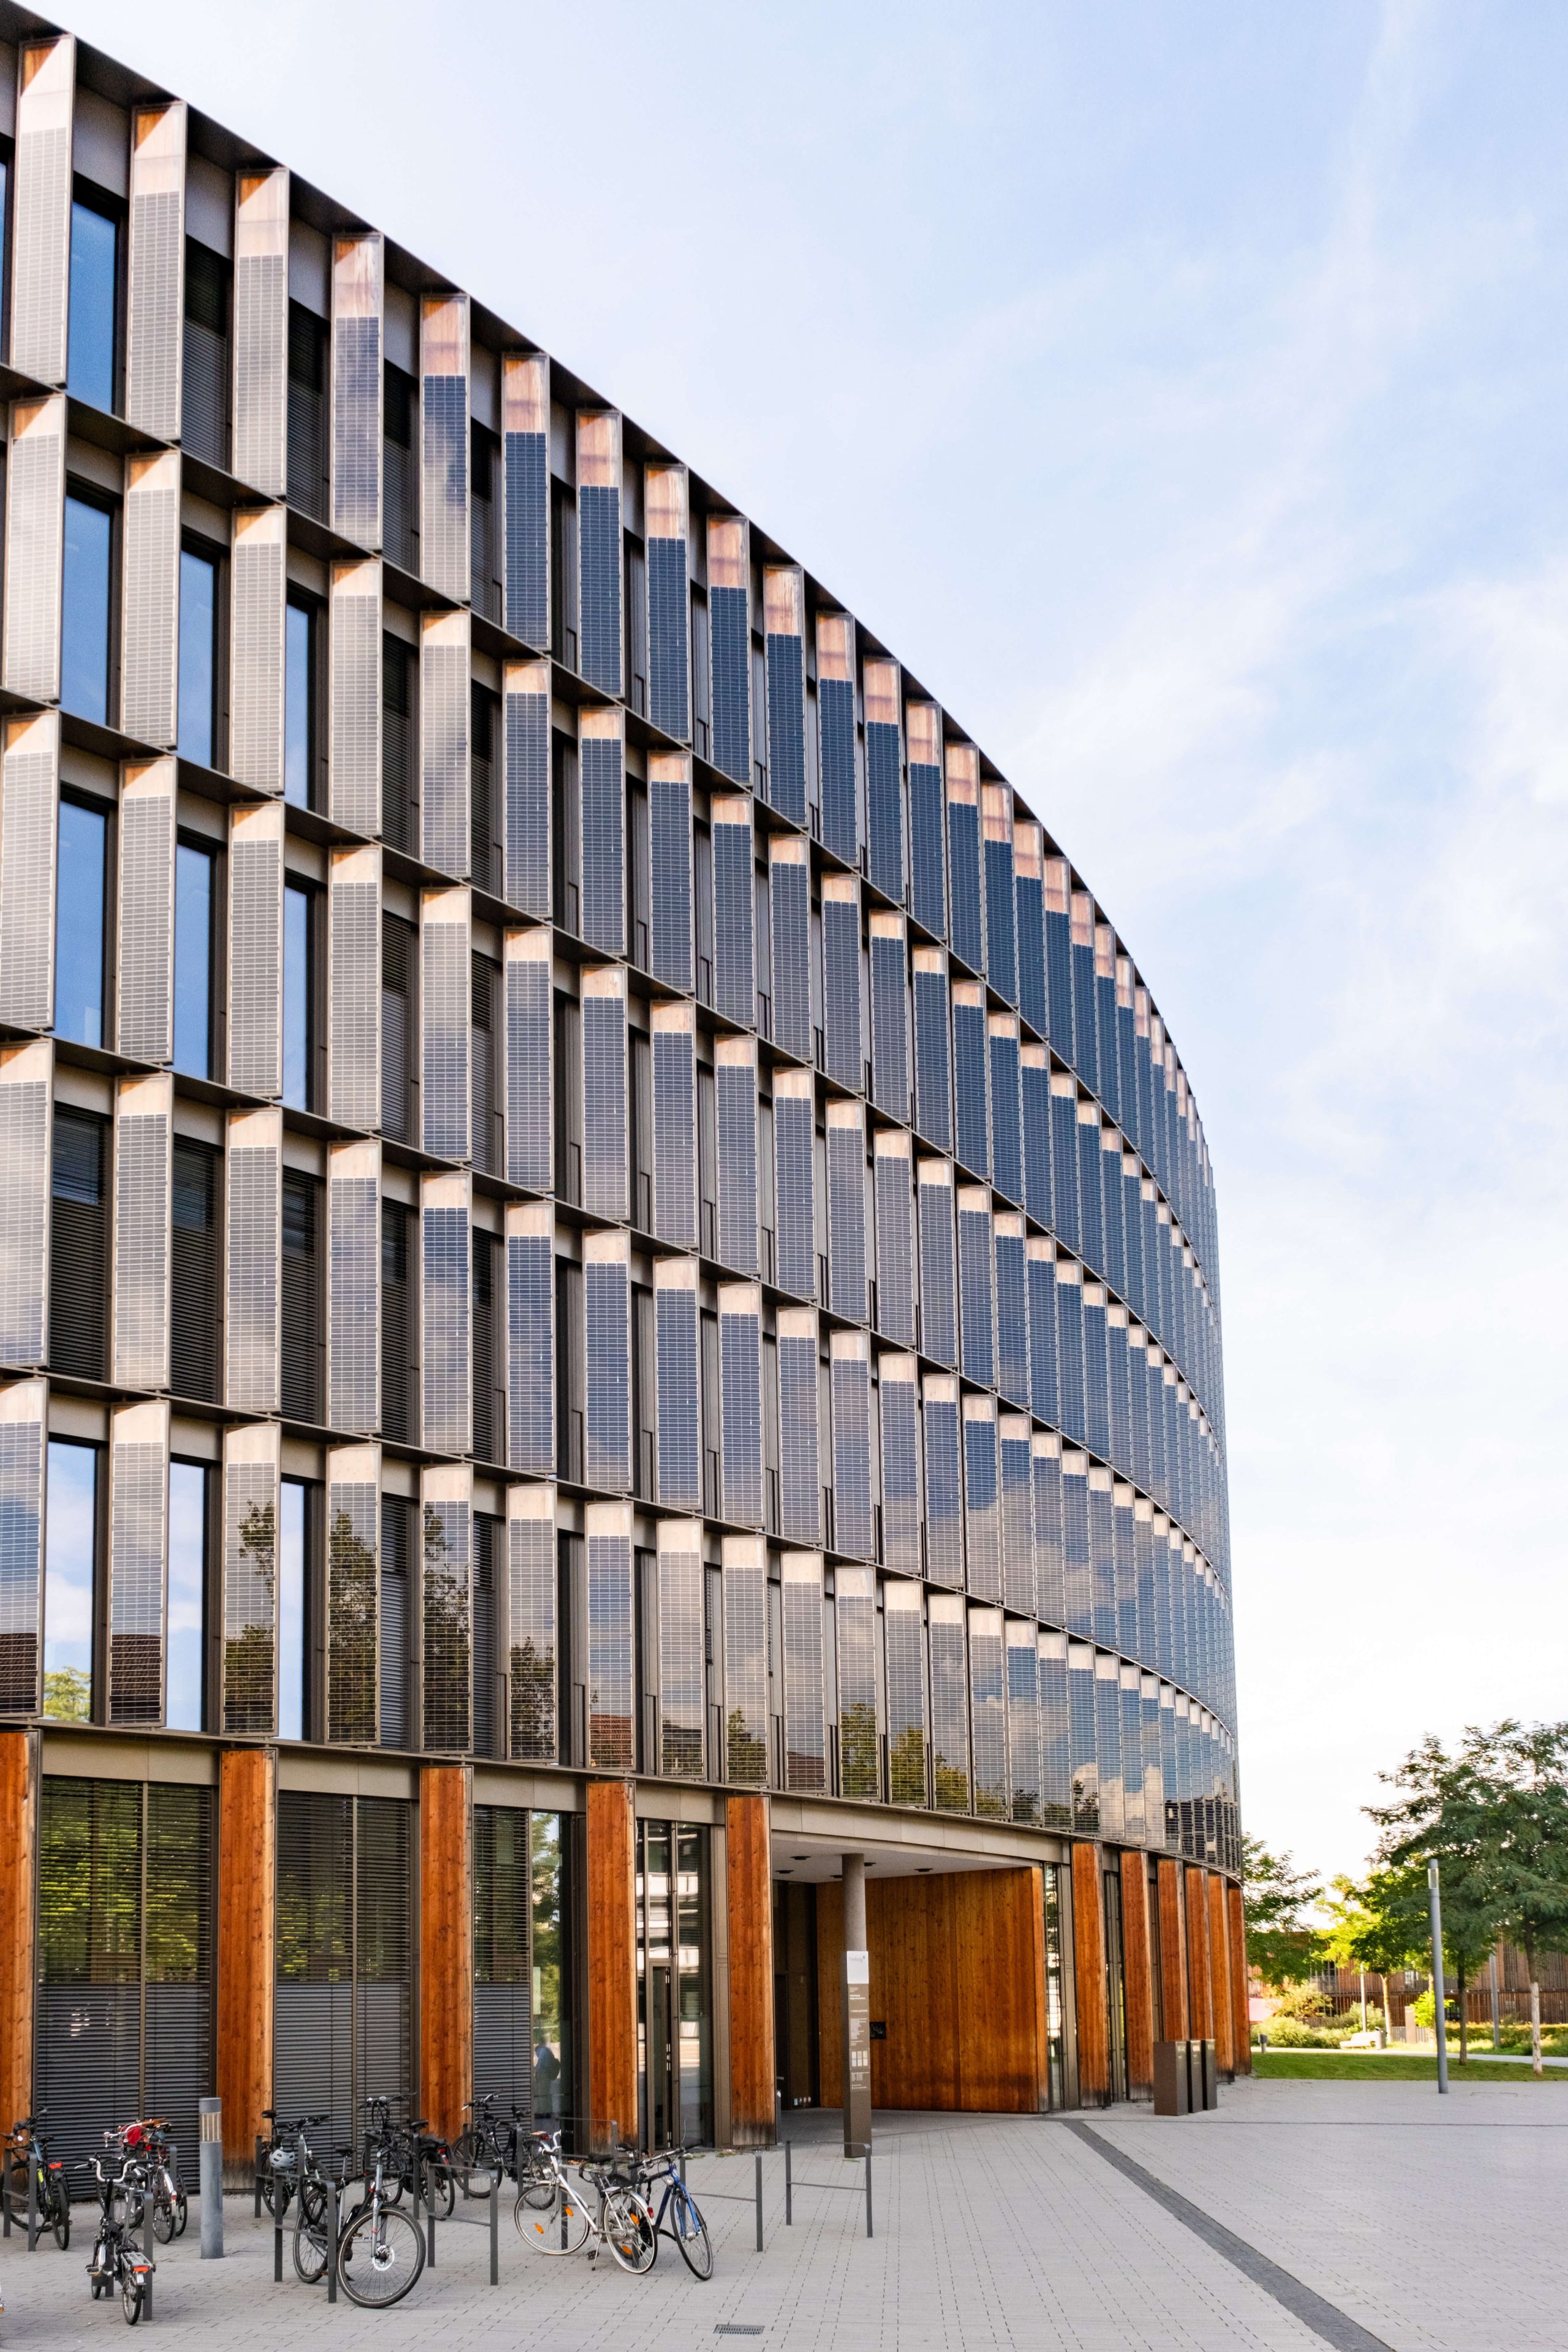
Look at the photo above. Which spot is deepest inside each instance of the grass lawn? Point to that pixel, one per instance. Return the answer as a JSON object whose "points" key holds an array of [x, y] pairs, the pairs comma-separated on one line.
{"points": [[1374, 2067]]}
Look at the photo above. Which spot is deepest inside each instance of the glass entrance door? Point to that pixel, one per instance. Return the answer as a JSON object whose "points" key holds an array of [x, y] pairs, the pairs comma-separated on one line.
{"points": [[675, 2064]]}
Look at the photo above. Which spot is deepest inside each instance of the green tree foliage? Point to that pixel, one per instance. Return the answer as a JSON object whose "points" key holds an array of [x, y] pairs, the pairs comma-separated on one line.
{"points": [[1281, 1943]]}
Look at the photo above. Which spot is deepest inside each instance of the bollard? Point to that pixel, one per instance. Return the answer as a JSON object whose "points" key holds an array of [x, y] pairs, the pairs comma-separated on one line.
{"points": [[332, 2241], [32, 2203], [789, 2189], [868, 2230], [258, 2176], [209, 2182], [148, 2257], [276, 2244], [759, 2204], [495, 2227]]}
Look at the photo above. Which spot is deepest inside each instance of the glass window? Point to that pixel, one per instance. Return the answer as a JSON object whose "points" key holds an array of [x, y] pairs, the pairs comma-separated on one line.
{"points": [[95, 244], [552, 2027], [198, 657], [299, 1028], [299, 706], [292, 1614], [84, 627], [195, 896], [188, 1595], [71, 1547], [80, 924]]}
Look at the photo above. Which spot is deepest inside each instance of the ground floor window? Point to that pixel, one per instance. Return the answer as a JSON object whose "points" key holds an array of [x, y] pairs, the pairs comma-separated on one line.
{"points": [[124, 2023], [795, 1994], [524, 2046], [1055, 2005], [344, 2016]]}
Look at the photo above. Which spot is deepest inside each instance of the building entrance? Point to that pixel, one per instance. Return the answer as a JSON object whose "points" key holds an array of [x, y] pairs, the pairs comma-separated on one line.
{"points": [[675, 2036], [796, 1995]]}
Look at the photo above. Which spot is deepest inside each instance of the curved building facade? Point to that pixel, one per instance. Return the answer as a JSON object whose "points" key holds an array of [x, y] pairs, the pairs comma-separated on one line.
{"points": [[607, 1273]]}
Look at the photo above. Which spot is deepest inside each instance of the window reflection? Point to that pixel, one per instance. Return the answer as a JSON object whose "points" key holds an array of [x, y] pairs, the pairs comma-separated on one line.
{"points": [[84, 624], [70, 1545], [193, 897], [292, 1613], [552, 2030], [95, 244], [298, 1025], [80, 924], [187, 1594], [299, 705], [198, 657]]}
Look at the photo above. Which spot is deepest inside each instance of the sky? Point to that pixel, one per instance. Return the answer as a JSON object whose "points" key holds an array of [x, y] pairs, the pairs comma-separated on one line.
{"points": [[1180, 389]]}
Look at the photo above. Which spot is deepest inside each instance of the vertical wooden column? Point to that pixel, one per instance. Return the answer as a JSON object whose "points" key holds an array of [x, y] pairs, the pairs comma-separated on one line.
{"points": [[1138, 1975], [749, 1904], [1241, 1998], [246, 1906], [1173, 1953], [1200, 1986], [1089, 1976], [1219, 1970], [445, 1945], [612, 1957], [18, 1880]]}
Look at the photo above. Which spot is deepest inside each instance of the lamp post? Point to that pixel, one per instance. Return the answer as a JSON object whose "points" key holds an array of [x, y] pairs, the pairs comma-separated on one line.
{"points": [[1435, 1904]]}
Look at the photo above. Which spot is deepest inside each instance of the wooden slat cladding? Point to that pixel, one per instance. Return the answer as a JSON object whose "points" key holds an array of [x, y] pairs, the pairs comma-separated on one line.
{"points": [[18, 1837], [749, 1896], [1200, 1991], [933, 1940], [1242, 2026], [246, 1900], [1138, 1974], [446, 1942], [611, 1942], [1219, 1978], [1088, 1977], [1172, 1954]]}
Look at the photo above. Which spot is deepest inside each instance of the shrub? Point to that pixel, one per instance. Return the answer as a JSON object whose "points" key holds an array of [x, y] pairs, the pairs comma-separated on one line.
{"points": [[1302, 2003]]}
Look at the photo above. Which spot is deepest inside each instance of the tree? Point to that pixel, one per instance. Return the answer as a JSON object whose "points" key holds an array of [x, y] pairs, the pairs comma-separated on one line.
{"points": [[1368, 1929], [1445, 1812], [1281, 1944], [1527, 1776]]}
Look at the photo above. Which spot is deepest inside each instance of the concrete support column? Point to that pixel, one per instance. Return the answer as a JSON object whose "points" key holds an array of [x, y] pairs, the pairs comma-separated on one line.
{"points": [[18, 1880], [612, 1959], [856, 2012], [246, 1960], [1240, 1996], [1089, 1978], [855, 1938], [1172, 1952], [445, 1945], [1138, 1975], [750, 1912]]}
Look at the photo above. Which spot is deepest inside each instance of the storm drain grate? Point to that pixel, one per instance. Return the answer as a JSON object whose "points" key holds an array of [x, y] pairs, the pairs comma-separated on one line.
{"points": [[737, 2327]]}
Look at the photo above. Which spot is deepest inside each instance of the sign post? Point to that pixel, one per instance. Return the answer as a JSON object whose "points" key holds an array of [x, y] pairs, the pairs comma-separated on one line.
{"points": [[856, 2012]]}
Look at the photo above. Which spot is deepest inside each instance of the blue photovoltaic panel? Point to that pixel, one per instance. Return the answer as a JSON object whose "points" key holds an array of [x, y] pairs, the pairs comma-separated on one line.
{"points": [[1050, 1585], [1001, 954], [669, 866], [969, 1080], [528, 802], [1090, 1199], [1006, 1128], [599, 584], [794, 1177], [1105, 1029], [800, 1483], [843, 1028], [933, 1090], [1042, 1277], [1023, 1724], [1063, 1163], [669, 655], [730, 628], [1099, 1557], [735, 1096], [607, 1424], [526, 458], [734, 980], [850, 1375], [740, 1403], [1069, 1351], [1124, 1548], [943, 1484], [939, 1300], [900, 1451], [975, 1279], [530, 1352], [789, 906], [1012, 1313], [1076, 1574], [927, 859], [890, 1019], [1034, 1102], [1058, 976], [966, 931], [1081, 1737], [885, 808], [530, 1125], [604, 894], [982, 1500], [988, 1713], [1017, 1514], [1086, 1054], [846, 1218], [1030, 911], [895, 1211], [606, 1168], [787, 727], [675, 1134], [840, 797], [1108, 1747]]}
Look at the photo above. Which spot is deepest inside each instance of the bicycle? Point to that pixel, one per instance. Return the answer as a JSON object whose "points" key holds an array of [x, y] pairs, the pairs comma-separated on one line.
{"points": [[380, 2252], [116, 2259], [690, 2230], [488, 2143], [623, 2221], [285, 2161], [149, 2140], [548, 2215], [25, 2147], [311, 2248]]}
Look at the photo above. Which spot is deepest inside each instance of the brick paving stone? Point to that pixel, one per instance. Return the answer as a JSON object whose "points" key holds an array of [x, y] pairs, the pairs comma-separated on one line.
{"points": [[1430, 2224]]}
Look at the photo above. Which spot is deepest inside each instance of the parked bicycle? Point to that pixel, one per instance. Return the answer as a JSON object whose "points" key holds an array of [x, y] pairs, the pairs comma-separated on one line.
{"points": [[287, 2166], [548, 2214], [117, 2260], [489, 2143], [686, 2224], [149, 2141], [380, 2251], [27, 2148]]}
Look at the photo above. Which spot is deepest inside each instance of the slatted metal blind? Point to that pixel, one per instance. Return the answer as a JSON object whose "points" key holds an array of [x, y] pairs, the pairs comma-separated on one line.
{"points": [[144, 929], [143, 1143], [446, 986], [355, 695], [446, 1604], [343, 2015], [353, 1287], [40, 233], [194, 1286], [528, 1059], [35, 545], [532, 1628], [530, 1335], [80, 1245], [154, 305], [261, 332], [256, 951], [525, 457], [355, 987], [443, 453], [150, 599], [358, 263], [253, 1297], [258, 596], [29, 815], [445, 1279], [137, 1559], [443, 741]]}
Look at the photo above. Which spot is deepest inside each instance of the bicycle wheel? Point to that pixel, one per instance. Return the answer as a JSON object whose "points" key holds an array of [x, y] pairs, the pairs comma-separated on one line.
{"points": [[129, 2295], [690, 2234], [60, 2218], [536, 2187], [628, 2230], [312, 2202], [379, 2256], [310, 2251], [277, 2194], [437, 2193], [182, 2213], [559, 2228], [164, 2220]]}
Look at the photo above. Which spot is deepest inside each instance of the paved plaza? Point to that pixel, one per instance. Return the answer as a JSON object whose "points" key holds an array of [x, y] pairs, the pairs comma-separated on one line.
{"points": [[1388, 2216]]}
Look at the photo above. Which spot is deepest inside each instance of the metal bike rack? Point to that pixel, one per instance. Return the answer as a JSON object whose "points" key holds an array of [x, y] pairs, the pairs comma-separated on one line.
{"points": [[840, 2187]]}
